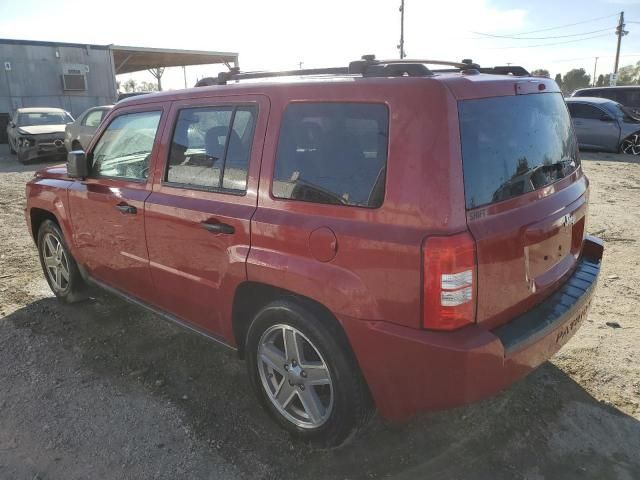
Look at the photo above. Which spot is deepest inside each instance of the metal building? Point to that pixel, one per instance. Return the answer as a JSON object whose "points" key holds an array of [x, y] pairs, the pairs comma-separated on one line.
{"points": [[76, 76]]}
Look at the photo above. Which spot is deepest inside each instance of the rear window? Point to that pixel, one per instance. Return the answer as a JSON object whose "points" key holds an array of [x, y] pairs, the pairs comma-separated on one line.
{"points": [[513, 145]]}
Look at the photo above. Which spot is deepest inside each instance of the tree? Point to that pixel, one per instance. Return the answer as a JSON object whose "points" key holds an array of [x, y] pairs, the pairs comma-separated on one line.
{"points": [[629, 75], [600, 82], [130, 85], [559, 79], [157, 74], [147, 87], [540, 72], [575, 79]]}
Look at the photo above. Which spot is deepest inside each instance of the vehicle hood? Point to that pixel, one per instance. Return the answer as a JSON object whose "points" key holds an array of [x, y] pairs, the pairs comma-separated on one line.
{"points": [[54, 171], [41, 129]]}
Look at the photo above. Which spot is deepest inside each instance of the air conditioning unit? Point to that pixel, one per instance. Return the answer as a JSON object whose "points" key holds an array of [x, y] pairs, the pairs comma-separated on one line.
{"points": [[74, 78]]}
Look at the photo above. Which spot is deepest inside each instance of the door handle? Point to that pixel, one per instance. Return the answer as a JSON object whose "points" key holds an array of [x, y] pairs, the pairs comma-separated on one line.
{"points": [[126, 208], [218, 228]]}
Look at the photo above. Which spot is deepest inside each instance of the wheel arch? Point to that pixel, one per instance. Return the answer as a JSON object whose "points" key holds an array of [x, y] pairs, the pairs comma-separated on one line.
{"points": [[37, 217], [251, 296]]}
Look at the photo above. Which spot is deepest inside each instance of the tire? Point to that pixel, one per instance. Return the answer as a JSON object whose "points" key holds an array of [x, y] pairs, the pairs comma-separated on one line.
{"points": [[69, 289], [631, 145], [344, 402]]}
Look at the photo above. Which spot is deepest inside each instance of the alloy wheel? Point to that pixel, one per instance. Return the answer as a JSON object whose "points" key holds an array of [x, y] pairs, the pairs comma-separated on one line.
{"points": [[631, 145], [55, 261], [295, 376]]}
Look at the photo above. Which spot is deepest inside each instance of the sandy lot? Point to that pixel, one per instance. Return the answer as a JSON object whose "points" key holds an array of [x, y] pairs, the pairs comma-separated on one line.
{"points": [[106, 390]]}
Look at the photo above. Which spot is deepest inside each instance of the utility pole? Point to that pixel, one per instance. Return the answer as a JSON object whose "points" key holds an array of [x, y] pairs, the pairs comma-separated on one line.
{"points": [[620, 31], [595, 67], [401, 46], [184, 73]]}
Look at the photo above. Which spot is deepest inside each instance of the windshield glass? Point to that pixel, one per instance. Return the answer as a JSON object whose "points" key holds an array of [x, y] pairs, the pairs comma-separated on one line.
{"points": [[43, 118], [513, 145]]}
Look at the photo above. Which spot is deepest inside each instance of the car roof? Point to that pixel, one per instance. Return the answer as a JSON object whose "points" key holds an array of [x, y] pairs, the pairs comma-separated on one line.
{"points": [[461, 85], [40, 110], [595, 100], [622, 87]]}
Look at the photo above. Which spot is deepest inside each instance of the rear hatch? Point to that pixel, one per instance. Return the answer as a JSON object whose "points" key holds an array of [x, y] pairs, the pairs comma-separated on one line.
{"points": [[526, 199]]}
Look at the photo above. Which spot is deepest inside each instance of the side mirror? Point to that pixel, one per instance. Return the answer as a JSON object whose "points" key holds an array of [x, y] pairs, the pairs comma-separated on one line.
{"points": [[606, 118], [77, 164]]}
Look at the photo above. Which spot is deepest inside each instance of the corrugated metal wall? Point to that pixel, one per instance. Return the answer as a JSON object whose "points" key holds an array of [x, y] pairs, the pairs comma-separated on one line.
{"points": [[33, 76]]}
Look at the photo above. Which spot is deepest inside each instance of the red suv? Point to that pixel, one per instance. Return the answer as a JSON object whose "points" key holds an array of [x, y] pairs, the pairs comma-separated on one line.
{"points": [[384, 235]]}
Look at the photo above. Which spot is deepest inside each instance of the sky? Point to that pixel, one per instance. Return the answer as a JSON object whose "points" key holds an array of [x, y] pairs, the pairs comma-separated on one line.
{"points": [[279, 34]]}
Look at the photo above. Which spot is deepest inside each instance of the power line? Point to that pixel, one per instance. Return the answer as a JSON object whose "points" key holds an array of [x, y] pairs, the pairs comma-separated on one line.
{"points": [[542, 38], [565, 26], [551, 44], [589, 58]]}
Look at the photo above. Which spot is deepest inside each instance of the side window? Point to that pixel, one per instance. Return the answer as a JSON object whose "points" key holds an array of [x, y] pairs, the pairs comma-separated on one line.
{"points": [[211, 147], [124, 149], [333, 153], [93, 119], [581, 110]]}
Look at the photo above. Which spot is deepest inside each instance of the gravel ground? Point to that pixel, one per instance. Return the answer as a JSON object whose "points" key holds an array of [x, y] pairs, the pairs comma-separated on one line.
{"points": [[106, 390]]}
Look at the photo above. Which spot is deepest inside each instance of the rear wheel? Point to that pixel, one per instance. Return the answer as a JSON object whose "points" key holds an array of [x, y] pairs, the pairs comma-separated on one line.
{"points": [[304, 375], [631, 145], [59, 267]]}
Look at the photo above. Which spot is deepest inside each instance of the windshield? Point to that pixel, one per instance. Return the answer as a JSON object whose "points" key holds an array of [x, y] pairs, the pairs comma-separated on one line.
{"points": [[513, 145], [43, 118]]}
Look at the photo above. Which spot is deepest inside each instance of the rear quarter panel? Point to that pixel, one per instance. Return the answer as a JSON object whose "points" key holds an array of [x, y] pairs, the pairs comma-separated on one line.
{"points": [[376, 272]]}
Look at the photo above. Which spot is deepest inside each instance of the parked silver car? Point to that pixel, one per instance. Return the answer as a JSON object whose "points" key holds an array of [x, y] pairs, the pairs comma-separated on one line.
{"points": [[605, 125], [37, 132], [79, 133]]}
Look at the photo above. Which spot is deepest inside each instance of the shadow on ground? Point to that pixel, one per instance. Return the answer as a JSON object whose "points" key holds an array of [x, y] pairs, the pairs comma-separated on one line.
{"points": [[546, 426], [9, 162]]}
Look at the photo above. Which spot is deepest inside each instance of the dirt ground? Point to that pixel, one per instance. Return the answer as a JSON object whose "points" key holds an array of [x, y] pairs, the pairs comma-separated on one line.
{"points": [[105, 390]]}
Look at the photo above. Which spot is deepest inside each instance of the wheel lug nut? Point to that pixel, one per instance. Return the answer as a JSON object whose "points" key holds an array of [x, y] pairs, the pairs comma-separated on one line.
{"points": [[303, 374]]}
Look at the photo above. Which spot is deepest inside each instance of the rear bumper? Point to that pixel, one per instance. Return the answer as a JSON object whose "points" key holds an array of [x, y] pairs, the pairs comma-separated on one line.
{"points": [[410, 370]]}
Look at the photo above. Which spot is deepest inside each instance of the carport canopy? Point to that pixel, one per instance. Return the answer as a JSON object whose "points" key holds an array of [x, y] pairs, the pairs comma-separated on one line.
{"points": [[135, 59]]}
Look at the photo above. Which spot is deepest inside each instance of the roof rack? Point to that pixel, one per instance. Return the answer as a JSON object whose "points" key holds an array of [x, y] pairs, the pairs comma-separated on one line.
{"points": [[368, 66]]}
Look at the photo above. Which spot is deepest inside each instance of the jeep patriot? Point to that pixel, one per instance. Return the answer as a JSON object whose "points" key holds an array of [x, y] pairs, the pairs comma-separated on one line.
{"points": [[383, 236]]}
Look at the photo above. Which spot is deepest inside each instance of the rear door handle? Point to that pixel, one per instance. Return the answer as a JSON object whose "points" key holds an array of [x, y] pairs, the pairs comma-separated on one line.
{"points": [[218, 228], [126, 208]]}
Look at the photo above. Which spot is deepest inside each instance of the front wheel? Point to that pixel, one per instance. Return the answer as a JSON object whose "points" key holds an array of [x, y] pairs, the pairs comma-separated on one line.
{"points": [[631, 145], [59, 267], [305, 375]]}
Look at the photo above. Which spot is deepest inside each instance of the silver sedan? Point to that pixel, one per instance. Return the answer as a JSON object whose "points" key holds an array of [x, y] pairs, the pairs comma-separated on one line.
{"points": [[604, 125], [79, 133]]}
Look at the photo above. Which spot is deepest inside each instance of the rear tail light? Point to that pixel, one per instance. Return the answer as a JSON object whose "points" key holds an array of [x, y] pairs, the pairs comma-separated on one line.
{"points": [[449, 289]]}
